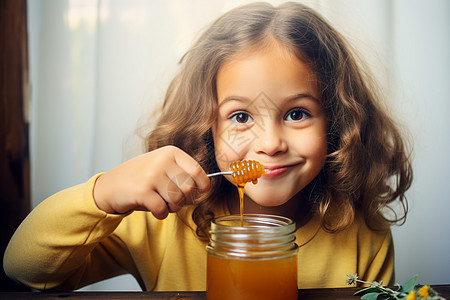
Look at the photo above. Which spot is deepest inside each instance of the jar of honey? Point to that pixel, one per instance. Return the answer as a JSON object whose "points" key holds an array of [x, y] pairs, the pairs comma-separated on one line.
{"points": [[254, 261]]}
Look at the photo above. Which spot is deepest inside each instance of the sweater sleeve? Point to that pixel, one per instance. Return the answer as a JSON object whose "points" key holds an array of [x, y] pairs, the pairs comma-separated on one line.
{"points": [[54, 245]]}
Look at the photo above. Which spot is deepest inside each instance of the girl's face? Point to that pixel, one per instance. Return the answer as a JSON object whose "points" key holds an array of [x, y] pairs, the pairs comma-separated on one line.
{"points": [[270, 111]]}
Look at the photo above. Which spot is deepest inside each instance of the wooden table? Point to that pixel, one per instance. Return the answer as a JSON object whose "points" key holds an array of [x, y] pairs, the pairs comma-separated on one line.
{"points": [[341, 293]]}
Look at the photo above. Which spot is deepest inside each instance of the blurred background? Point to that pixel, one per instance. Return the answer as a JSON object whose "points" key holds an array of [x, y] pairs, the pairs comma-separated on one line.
{"points": [[99, 67]]}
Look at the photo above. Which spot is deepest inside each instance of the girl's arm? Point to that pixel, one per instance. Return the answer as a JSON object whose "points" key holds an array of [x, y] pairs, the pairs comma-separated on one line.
{"points": [[52, 246], [68, 240]]}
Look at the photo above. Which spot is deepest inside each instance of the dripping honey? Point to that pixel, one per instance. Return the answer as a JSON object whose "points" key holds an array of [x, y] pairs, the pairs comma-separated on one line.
{"points": [[241, 202], [243, 172]]}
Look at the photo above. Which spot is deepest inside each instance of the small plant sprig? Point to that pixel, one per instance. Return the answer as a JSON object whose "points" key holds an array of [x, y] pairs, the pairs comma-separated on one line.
{"points": [[407, 291]]}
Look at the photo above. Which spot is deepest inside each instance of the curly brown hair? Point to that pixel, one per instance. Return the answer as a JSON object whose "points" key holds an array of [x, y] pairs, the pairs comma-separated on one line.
{"points": [[367, 167]]}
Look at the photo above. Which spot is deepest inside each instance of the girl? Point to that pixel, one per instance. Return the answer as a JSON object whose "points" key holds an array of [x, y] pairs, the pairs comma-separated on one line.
{"points": [[273, 84]]}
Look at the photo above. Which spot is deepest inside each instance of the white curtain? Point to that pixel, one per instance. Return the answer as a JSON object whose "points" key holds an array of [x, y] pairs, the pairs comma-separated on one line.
{"points": [[98, 67]]}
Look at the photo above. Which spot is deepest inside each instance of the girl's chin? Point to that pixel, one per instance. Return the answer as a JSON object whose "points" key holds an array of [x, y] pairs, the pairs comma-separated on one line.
{"points": [[270, 203], [269, 198]]}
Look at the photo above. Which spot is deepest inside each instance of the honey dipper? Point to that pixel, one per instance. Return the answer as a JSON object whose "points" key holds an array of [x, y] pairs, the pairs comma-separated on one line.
{"points": [[243, 171]]}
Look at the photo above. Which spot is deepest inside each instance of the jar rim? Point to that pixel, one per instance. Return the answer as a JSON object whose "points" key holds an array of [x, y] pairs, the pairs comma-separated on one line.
{"points": [[264, 218], [252, 223]]}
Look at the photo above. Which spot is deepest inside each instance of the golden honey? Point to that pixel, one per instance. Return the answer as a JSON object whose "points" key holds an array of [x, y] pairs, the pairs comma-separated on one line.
{"points": [[254, 261]]}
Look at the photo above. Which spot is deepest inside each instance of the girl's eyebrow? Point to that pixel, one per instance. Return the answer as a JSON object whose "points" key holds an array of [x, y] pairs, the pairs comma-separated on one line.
{"points": [[302, 95], [234, 98]]}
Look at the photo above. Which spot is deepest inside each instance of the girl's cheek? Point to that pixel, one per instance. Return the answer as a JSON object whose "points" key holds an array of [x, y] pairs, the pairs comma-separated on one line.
{"points": [[316, 148]]}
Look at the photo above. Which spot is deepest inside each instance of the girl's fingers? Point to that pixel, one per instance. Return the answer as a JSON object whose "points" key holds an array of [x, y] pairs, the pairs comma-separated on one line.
{"points": [[181, 188], [155, 204], [191, 167], [185, 179], [175, 190]]}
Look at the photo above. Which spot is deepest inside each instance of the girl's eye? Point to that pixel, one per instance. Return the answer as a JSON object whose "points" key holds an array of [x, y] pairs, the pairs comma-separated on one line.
{"points": [[297, 114], [241, 117]]}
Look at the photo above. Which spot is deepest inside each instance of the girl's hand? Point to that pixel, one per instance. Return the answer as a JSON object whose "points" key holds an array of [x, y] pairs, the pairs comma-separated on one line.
{"points": [[161, 181]]}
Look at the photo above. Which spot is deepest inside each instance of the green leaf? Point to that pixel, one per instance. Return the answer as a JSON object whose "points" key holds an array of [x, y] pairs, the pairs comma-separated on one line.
{"points": [[370, 296], [366, 290], [408, 286]]}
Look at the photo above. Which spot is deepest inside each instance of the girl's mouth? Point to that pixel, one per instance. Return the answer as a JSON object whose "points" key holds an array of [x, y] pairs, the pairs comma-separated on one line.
{"points": [[275, 171]]}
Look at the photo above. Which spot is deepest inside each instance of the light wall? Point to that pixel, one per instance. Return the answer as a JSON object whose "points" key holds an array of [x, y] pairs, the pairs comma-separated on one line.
{"points": [[98, 67]]}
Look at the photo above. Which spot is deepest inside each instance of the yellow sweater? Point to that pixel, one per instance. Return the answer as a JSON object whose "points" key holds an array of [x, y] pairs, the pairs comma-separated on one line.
{"points": [[67, 242]]}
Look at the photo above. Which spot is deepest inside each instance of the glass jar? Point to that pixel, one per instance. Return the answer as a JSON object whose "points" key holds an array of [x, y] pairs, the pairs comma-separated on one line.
{"points": [[254, 261]]}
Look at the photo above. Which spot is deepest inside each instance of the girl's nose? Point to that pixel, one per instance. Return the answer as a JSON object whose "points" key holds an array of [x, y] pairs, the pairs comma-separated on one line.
{"points": [[270, 141]]}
